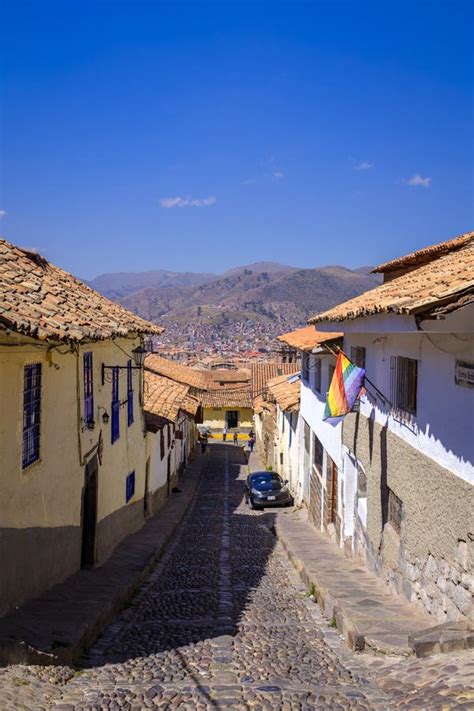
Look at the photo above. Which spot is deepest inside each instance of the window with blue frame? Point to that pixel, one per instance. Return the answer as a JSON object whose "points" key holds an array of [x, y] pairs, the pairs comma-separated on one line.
{"points": [[129, 487], [130, 393], [88, 390], [31, 413], [115, 407]]}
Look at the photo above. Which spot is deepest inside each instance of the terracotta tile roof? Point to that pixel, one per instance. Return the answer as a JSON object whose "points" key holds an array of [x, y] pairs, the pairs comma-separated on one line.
{"points": [[190, 405], [226, 398], [175, 371], [41, 300], [263, 372], [427, 253], [164, 397], [229, 376], [260, 405], [448, 279], [307, 338], [285, 392]]}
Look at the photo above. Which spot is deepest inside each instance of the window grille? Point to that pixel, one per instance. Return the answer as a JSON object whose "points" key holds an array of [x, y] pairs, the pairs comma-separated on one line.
{"points": [[317, 374], [318, 453], [307, 437], [403, 383], [358, 356], [129, 487], [88, 390], [130, 393], [115, 407], [331, 369], [305, 367], [31, 413]]}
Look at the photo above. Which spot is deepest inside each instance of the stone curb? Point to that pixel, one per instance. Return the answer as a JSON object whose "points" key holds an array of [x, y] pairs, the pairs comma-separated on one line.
{"points": [[446, 637], [62, 623]]}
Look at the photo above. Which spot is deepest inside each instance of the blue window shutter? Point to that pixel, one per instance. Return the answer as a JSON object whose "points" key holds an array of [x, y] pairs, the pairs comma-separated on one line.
{"points": [[31, 414], [129, 487], [88, 390], [130, 393], [115, 407]]}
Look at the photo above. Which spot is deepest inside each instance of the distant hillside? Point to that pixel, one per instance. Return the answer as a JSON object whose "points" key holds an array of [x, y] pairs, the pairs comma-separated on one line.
{"points": [[119, 284], [268, 267], [283, 297]]}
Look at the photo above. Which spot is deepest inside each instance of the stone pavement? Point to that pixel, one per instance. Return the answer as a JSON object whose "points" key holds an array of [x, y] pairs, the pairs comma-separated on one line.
{"points": [[57, 626], [224, 622], [368, 614]]}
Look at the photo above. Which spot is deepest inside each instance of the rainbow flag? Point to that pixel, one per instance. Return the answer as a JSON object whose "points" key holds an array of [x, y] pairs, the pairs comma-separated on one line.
{"points": [[345, 387]]}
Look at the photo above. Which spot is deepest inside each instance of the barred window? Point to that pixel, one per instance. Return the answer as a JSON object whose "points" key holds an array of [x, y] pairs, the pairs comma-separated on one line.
{"points": [[129, 393], [305, 367], [115, 405], [403, 383], [307, 437], [318, 452], [317, 374], [88, 390], [331, 370], [31, 413], [358, 356]]}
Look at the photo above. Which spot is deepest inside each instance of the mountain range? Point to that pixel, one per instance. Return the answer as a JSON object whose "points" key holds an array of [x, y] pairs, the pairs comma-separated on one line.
{"points": [[266, 292]]}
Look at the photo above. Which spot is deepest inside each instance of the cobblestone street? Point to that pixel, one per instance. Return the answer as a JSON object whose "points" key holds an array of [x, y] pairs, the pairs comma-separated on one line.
{"points": [[224, 622]]}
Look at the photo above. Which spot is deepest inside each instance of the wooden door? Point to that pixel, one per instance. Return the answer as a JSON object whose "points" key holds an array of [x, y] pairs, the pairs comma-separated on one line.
{"points": [[89, 513], [333, 493]]}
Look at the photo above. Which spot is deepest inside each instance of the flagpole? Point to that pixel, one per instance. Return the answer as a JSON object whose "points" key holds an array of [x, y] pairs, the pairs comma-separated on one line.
{"points": [[379, 392]]}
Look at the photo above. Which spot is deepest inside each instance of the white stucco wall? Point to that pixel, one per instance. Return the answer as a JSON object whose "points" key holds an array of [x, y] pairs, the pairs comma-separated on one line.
{"points": [[443, 428], [287, 444], [312, 411]]}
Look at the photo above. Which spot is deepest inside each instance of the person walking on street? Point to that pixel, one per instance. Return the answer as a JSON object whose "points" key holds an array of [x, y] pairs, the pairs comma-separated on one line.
{"points": [[251, 443], [236, 437], [203, 442], [224, 433]]}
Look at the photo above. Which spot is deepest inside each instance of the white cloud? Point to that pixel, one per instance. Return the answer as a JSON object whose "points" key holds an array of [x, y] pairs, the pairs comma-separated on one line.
{"points": [[418, 180], [2, 213], [278, 174], [187, 202], [364, 165]]}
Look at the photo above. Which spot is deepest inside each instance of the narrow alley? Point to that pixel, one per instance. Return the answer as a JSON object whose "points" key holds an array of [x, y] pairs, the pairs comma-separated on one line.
{"points": [[224, 622]]}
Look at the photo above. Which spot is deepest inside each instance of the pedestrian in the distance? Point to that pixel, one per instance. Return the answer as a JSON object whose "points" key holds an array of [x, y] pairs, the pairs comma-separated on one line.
{"points": [[203, 442], [236, 438], [251, 443], [224, 433]]}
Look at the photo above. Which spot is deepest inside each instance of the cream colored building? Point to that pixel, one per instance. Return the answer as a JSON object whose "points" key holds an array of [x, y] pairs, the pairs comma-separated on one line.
{"points": [[170, 412], [285, 390], [72, 434], [408, 453]]}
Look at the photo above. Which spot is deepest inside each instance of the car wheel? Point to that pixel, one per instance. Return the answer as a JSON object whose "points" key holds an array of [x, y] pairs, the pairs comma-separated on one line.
{"points": [[252, 505]]}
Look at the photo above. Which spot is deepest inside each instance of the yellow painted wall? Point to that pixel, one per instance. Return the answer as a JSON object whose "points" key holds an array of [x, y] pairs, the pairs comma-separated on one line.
{"points": [[215, 418], [44, 501]]}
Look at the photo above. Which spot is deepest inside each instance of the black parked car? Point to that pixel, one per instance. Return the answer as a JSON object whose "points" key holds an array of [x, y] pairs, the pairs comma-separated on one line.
{"points": [[266, 489]]}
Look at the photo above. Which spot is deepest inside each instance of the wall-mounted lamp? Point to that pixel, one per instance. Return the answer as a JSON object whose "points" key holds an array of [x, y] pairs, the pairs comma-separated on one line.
{"points": [[138, 355], [105, 415]]}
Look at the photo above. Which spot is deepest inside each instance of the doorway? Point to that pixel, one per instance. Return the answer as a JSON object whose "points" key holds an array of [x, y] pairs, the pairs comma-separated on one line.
{"points": [[146, 502], [232, 419], [168, 475], [89, 513]]}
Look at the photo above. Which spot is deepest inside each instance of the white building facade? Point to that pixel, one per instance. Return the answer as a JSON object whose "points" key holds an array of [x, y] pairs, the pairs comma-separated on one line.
{"points": [[408, 454]]}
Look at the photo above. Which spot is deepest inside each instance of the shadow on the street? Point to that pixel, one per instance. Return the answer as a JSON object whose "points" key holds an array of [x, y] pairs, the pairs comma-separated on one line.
{"points": [[202, 590]]}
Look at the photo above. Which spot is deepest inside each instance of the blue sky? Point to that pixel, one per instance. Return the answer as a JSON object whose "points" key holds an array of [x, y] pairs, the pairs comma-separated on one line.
{"points": [[201, 135]]}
